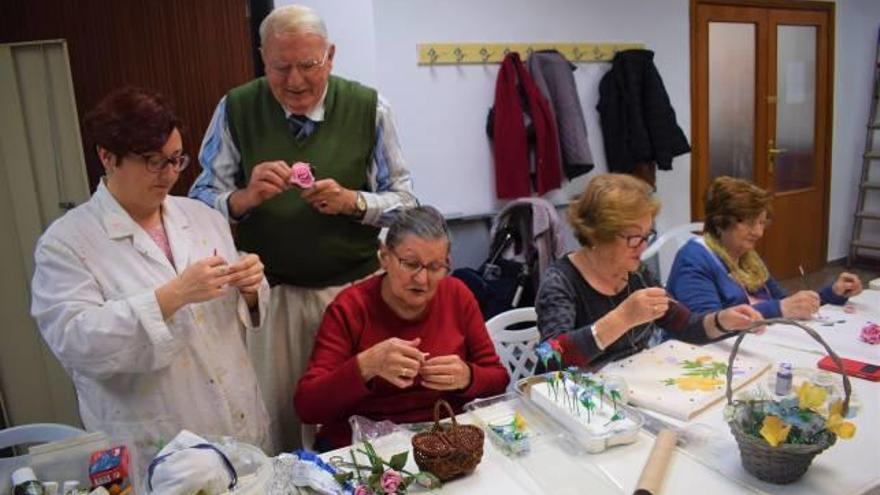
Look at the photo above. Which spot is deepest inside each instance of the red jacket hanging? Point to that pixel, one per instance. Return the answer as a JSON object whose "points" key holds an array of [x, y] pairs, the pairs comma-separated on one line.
{"points": [[510, 141]]}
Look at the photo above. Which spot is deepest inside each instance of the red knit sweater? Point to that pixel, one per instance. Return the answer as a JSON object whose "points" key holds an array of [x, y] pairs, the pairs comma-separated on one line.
{"points": [[332, 389]]}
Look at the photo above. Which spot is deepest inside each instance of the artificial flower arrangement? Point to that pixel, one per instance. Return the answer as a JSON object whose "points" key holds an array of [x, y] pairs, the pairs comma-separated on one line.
{"points": [[384, 477], [591, 409], [794, 420], [778, 439], [581, 393], [513, 435]]}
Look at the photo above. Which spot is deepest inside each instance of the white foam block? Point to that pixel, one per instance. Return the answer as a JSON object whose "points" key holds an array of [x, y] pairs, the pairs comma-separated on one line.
{"points": [[595, 430]]}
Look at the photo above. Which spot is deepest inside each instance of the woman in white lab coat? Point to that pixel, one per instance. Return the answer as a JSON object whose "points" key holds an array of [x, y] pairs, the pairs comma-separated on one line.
{"points": [[143, 296]]}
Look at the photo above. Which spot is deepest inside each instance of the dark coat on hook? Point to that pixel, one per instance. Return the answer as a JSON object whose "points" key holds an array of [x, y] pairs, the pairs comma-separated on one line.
{"points": [[638, 122], [518, 101]]}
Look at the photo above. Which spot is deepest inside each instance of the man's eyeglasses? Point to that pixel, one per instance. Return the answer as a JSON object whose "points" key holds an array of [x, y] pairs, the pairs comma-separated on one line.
{"points": [[634, 241], [303, 66], [435, 269], [157, 163]]}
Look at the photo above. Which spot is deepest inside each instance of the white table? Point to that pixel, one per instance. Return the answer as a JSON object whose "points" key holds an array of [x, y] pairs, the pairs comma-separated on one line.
{"points": [[849, 467]]}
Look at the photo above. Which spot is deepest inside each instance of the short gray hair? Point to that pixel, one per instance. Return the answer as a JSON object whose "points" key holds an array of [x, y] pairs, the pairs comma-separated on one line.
{"points": [[292, 19], [424, 222]]}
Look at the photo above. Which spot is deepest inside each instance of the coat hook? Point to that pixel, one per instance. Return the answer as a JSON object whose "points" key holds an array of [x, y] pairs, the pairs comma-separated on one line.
{"points": [[432, 55], [578, 54], [485, 54], [459, 54]]}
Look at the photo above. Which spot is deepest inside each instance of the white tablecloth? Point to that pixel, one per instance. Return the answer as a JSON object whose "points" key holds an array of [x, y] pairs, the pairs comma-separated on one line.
{"points": [[849, 467]]}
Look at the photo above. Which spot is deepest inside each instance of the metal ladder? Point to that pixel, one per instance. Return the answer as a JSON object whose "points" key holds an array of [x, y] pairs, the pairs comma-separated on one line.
{"points": [[858, 245]]}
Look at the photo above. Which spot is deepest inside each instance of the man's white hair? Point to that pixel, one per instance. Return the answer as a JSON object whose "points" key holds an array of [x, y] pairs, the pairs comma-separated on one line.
{"points": [[292, 19]]}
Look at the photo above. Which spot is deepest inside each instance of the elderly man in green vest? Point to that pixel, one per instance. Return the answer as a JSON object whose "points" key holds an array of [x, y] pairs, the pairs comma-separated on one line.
{"points": [[314, 242]]}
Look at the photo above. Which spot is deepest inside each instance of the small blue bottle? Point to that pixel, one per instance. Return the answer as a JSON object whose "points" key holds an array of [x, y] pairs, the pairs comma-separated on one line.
{"points": [[783, 379]]}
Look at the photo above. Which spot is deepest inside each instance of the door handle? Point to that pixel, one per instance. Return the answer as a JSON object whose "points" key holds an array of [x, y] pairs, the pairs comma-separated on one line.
{"points": [[771, 163]]}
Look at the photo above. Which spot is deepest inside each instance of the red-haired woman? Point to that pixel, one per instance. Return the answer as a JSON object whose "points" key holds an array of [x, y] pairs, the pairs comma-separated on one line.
{"points": [[143, 297]]}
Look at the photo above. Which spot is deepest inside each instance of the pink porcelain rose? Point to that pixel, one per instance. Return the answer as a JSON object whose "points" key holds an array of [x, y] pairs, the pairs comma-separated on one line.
{"points": [[301, 175], [390, 480], [362, 490]]}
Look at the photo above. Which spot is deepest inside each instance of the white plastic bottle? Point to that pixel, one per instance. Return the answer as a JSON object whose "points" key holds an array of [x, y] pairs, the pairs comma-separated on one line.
{"points": [[24, 482]]}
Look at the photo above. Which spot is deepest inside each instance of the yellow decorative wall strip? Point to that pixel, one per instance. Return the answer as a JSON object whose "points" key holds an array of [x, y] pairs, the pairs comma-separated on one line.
{"points": [[493, 53]]}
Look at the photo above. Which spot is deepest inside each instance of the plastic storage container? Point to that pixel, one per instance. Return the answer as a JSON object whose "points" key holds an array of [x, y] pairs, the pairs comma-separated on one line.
{"points": [[497, 416], [254, 468], [569, 415]]}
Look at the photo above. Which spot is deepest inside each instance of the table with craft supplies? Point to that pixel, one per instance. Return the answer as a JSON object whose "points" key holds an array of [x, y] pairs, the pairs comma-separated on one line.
{"points": [[707, 457]]}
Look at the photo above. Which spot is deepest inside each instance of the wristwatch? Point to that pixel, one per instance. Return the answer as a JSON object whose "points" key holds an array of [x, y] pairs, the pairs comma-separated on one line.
{"points": [[360, 206]]}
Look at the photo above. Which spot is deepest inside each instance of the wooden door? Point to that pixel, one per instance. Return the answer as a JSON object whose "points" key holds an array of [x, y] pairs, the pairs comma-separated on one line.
{"points": [[761, 75], [193, 51]]}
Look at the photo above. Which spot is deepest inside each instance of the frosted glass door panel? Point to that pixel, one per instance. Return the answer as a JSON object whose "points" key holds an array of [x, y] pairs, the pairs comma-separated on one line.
{"points": [[731, 99], [795, 107]]}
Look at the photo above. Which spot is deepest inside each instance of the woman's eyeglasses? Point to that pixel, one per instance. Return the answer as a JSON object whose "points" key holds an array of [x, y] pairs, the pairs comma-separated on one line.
{"points": [[157, 163], [435, 269], [753, 223], [634, 241]]}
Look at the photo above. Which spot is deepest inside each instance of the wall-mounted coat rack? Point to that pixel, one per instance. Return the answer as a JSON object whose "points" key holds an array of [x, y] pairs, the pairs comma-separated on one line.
{"points": [[493, 53]]}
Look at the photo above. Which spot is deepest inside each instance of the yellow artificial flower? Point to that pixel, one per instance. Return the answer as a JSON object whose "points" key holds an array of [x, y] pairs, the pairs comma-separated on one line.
{"points": [[519, 422], [836, 424], [811, 396], [774, 430]]}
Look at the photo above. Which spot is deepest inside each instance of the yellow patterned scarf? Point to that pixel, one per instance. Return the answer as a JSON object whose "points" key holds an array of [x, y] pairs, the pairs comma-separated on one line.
{"points": [[751, 272]]}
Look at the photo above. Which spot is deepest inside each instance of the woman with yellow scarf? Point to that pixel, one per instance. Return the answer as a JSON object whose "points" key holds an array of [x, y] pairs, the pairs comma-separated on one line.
{"points": [[722, 268]]}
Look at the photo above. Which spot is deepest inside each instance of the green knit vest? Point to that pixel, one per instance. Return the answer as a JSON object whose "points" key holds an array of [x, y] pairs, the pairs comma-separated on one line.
{"points": [[298, 245]]}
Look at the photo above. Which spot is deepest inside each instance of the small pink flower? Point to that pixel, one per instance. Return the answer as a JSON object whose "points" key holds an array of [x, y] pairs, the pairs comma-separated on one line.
{"points": [[390, 481], [870, 333], [301, 175], [362, 490]]}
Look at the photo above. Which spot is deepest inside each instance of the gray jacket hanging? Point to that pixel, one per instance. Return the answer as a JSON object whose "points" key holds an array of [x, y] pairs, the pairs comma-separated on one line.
{"points": [[552, 74]]}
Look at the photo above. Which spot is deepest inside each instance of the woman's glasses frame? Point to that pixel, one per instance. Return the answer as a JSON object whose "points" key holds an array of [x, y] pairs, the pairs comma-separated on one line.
{"points": [[636, 240], [434, 269], [156, 163]]}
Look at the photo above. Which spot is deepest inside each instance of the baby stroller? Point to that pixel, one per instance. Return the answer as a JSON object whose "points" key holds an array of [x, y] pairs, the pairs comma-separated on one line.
{"points": [[518, 254]]}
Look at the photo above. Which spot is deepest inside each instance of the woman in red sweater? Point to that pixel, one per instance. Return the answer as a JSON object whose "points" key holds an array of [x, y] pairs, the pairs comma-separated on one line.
{"points": [[392, 345]]}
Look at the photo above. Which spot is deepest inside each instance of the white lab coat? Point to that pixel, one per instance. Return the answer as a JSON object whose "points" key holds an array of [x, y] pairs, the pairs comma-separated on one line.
{"points": [[138, 377]]}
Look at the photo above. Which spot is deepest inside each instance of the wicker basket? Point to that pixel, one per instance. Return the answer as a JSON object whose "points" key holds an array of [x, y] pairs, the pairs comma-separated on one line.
{"points": [[451, 451], [787, 462]]}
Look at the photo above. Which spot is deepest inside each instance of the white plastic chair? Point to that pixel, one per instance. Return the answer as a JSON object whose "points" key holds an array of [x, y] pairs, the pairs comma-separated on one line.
{"points": [[29, 434], [307, 435], [516, 348], [678, 236]]}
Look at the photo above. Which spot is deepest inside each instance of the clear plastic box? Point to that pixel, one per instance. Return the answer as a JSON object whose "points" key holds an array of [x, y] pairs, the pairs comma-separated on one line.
{"points": [[574, 429], [496, 415]]}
